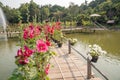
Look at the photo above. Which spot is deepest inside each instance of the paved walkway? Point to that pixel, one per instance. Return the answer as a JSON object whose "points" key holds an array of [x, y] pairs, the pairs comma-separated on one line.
{"points": [[67, 66]]}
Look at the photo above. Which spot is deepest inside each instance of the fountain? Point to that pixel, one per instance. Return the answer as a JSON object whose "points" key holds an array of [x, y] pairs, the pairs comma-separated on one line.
{"points": [[3, 34]]}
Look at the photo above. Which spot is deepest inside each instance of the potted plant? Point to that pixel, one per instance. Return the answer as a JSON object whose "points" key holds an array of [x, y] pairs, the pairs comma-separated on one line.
{"points": [[95, 51], [73, 41], [59, 43], [57, 35]]}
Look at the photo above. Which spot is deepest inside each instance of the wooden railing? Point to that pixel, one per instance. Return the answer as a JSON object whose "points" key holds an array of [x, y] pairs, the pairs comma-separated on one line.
{"points": [[89, 63]]}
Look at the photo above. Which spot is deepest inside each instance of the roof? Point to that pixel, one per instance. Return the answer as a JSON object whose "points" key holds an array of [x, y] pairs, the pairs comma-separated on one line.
{"points": [[110, 21]]}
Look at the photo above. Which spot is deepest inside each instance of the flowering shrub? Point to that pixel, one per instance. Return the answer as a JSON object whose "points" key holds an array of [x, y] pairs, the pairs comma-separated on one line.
{"points": [[34, 54], [96, 50], [58, 35], [57, 32]]}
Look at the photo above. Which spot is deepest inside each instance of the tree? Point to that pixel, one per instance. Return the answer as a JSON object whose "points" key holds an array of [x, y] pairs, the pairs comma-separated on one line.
{"points": [[56, 12], [56, 8], [117, 12], [33, 11], [14, 16], [45, 12], [73, 10], [93, 4], [24, 12]]}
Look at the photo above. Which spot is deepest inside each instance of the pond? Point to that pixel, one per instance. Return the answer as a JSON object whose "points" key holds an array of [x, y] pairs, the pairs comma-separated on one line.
{"points": [[109, 64], [8, 51]]}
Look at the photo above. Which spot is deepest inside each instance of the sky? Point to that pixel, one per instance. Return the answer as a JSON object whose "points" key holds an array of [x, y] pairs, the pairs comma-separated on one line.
{"points": [[64, 3]]}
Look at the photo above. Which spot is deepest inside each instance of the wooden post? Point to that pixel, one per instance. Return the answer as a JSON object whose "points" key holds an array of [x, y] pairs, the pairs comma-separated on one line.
{"points": [[88, 68], [69, 47]]}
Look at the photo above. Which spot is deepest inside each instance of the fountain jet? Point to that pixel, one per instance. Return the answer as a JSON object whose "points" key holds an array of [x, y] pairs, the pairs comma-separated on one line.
{"points": [[3, 34]]}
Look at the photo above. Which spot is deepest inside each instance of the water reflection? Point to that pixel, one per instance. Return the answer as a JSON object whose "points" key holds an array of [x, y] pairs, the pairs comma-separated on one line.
{"points": [[8, 50], [108, 40]]}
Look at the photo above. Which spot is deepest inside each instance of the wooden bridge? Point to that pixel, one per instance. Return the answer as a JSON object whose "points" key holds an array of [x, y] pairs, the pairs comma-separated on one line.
{"points": [[68, 66], [16, 32]]}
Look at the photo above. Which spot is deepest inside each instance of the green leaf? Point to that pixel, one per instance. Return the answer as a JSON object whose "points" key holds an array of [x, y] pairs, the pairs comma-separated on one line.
{"points": [[47, 78], [53, 53]]}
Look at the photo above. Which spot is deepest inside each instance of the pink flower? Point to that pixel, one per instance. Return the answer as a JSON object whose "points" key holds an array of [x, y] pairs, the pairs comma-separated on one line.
{"points": [[31, 31], [47, 29], [26, 61], [31, 34], [41, 46], [19, 52], [38, 30], [47, 69]]}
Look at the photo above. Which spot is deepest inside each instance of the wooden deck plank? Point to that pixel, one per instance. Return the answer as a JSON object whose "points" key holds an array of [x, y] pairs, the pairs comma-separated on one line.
{"points": [[72, 67]]}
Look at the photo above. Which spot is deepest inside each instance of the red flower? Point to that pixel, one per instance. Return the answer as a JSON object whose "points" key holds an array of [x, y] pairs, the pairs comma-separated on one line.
{"points": [[23, 55], [23, 61], [52, 30], [31, 34], [25, 33], [28, 52], [48, 43], [58, 23]]}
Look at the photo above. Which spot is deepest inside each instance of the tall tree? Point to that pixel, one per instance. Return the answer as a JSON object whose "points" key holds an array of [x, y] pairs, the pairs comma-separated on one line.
{"points": [[24, 12], [33, 11], [73, 10], [45, 12]]}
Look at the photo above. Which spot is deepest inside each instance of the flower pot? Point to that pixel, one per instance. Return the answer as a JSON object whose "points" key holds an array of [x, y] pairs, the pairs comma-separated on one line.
{"points": [[94, 59], [59, 44], [54, 40], [72, 43]]}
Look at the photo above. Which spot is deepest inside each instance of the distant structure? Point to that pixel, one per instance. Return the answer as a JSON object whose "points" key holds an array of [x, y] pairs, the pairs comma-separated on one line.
{"points": [[110, 21]]}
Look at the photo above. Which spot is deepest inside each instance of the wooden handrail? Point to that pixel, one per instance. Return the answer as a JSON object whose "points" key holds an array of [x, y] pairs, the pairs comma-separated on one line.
{"points": [[89, 64]]}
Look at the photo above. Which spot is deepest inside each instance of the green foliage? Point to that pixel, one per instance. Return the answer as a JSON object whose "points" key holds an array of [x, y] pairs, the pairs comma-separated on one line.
{"points": [[56, 8], [33, 11], [15, 16], [86, 23], [24, 13], [58, 35], [29, 12]]}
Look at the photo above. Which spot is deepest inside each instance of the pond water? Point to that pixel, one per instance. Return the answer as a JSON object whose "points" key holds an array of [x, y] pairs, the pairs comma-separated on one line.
{"points": [[109, 64], [8, 51]]}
